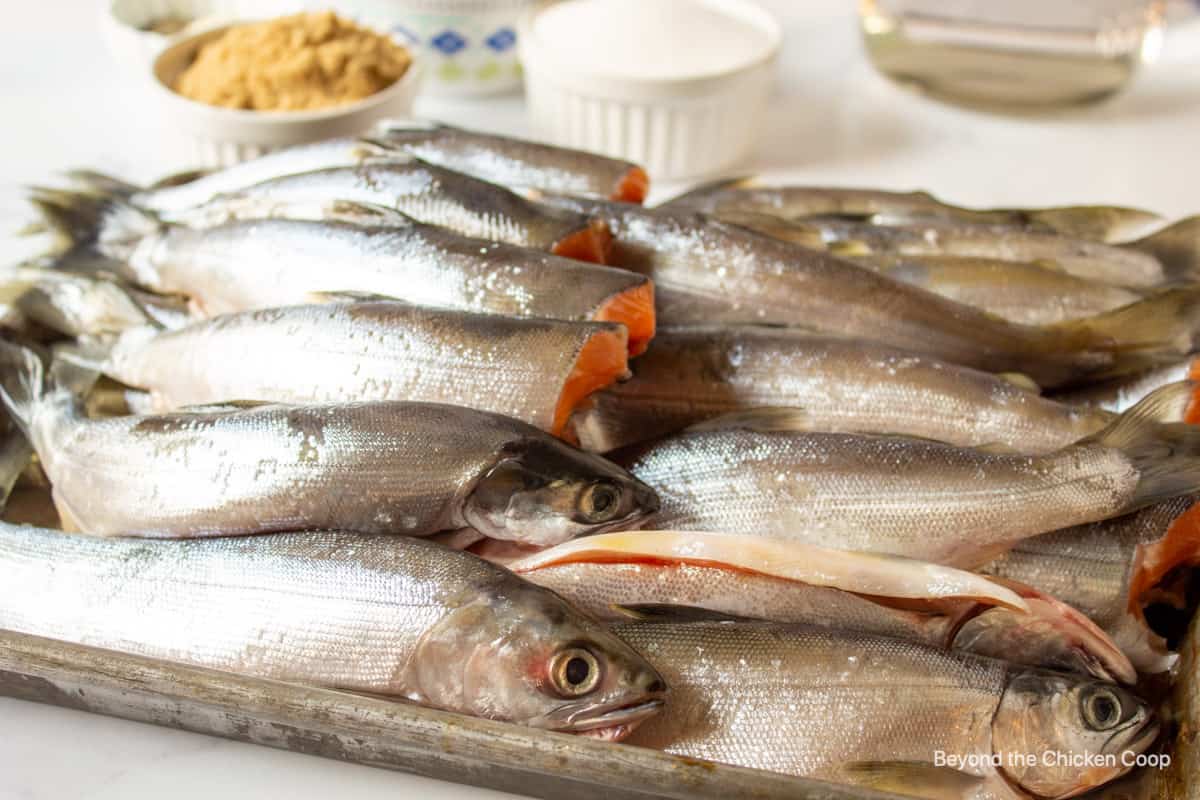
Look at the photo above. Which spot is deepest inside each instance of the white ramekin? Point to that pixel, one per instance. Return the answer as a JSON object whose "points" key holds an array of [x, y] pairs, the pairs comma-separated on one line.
{"points": [[676, 128], [223, 136]]}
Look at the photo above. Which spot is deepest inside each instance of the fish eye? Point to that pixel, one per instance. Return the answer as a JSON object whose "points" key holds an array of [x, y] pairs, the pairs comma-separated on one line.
{"points": [[1101, 708], [574, 672], [600, 502]]}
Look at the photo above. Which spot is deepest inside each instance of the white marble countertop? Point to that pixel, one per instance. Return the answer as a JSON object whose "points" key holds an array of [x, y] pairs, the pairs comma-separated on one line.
{"points": [[834, 121]]}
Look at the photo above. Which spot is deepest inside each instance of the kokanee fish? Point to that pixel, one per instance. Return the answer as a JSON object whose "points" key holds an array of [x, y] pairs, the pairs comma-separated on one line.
{"points": [[179, 196], [252, 264], [385, 615], [745, 196], [1083, 258], [517, 162], [911, 497], [827, 384], [657, 572], [886, 713], [535, 370], [425, 192], [1027, 294], [709, 272], [1113, 570], [428, 193], [391, 467]]}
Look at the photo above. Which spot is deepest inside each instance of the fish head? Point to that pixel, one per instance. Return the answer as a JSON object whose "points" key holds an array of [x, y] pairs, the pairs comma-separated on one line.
{"points": [[520, 653], [546, 492], [1058, 736]]}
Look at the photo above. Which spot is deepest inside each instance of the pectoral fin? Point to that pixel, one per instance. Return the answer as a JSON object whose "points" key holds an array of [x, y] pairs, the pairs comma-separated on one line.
{"points": [[914, 779]]}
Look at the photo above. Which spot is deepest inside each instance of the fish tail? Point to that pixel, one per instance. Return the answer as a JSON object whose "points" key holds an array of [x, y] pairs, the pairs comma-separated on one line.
{"points": [[1144, 334], [22, 383], [1166, 455], [1177, 247], [104, 223], [100, 183]]}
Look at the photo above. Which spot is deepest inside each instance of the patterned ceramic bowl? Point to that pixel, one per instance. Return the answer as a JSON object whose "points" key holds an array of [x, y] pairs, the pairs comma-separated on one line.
{"points": [[468, 47]]}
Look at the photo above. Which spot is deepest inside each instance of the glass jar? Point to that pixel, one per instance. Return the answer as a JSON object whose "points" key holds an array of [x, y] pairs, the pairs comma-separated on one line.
{"points": [[1015, 53]]}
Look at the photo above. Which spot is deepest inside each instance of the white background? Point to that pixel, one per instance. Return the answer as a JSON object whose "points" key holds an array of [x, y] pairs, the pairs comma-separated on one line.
{"points": [[65, 103]]}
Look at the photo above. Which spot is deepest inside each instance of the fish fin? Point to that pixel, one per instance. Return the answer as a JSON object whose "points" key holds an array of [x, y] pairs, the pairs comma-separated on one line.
{"points": [[1021, 381], [1143, 334], [764, 419], [101, 183], [78, 379], [106, 223], [665, 612], [15, 455], [397, 128], [22, 382], [179, 178], [1166, 455], [353, 297], [914, 779], [689, 198], [224, 407], [356, 213], [458, 539], [68, 519], [1177, 247]]}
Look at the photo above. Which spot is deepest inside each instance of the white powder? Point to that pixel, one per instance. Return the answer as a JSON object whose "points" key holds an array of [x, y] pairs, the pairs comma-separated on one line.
{"points": [[661, 39]]}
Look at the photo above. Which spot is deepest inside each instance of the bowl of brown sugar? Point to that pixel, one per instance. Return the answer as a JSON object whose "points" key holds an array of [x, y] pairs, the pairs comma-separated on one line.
{"points": [[240, 91]]}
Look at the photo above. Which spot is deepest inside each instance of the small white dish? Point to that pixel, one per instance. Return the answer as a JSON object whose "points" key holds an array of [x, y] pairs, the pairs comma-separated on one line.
{"points": [[224, 136], [683, 102], [125, 26]]}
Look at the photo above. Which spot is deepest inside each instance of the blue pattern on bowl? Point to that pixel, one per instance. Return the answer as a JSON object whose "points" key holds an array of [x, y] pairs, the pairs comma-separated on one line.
{"points": [[448, 42], [502, 40]]}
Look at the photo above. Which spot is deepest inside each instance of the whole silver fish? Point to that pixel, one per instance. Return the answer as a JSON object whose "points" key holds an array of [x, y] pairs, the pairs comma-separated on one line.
{"points": [[911, 497], [384, 615], [328, 154], [517, 162], [830, 384], [247, 265], [1122, 394], [535, 370], [1103, 223], [403, 468], [1027, 294], [1113, 570], [709, 272], [885, 713], [660, 573], [428, 193], [1083, 258]]}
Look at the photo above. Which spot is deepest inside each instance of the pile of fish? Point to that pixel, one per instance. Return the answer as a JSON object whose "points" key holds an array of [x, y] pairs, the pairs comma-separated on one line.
{"points": [[848, 484]]}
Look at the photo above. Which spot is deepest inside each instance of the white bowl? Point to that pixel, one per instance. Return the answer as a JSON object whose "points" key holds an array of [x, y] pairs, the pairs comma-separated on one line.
{"points": [[469, 47], [676, 126], [224, 136], [123, 25]]}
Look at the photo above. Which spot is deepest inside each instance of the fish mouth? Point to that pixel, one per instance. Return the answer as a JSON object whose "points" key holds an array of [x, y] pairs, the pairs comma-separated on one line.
{"points": [[612, 723], [1144, 735]]}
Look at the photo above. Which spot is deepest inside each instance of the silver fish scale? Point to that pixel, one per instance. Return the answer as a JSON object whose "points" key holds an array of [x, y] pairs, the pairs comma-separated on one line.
{"points": [[263, 263], [807, 702], [836, 385], [894, 495], [329, 609], [369, 351], [385, 467]]}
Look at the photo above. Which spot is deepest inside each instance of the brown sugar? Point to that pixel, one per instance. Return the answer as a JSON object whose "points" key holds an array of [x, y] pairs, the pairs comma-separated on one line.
{"points": [[296, 63]]}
